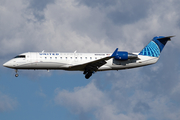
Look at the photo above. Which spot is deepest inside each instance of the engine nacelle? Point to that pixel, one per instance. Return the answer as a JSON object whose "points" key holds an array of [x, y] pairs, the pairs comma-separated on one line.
{"points": [[121, 55]]}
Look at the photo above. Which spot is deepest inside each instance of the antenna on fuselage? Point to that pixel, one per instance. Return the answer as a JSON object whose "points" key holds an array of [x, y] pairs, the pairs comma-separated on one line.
{"points": [[43, 51], [75, 51]]}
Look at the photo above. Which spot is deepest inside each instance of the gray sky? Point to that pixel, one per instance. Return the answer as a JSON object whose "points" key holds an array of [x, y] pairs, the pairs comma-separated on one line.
{"points": [[148, 93]]}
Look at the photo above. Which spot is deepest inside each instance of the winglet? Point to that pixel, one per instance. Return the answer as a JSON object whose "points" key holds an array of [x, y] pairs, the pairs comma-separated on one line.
{"points": [[114, 53]]}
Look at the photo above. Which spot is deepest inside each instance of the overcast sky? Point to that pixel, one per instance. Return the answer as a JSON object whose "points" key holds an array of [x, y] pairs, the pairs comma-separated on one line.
{"points": [[147, 93]]}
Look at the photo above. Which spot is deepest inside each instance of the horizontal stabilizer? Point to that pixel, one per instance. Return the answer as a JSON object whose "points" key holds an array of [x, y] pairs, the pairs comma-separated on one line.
{"points": [[166, 38]]}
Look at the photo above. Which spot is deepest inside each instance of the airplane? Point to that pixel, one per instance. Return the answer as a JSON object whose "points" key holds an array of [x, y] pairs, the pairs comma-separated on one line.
{"points": [[89, 63]]}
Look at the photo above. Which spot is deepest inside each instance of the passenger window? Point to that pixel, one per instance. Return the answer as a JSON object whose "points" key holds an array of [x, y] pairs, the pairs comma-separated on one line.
{"points": [[76, 57], [50, 57], [90, 57], [45, 57], [55, 57], [85, 57]]}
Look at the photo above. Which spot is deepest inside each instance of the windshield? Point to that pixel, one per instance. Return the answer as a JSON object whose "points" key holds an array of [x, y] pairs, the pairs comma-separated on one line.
{"points": [[20, 56]]}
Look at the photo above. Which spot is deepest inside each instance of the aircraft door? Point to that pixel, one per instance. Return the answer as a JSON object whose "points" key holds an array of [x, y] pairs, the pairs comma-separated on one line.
{"points": [[28, 58], [32, 58]]}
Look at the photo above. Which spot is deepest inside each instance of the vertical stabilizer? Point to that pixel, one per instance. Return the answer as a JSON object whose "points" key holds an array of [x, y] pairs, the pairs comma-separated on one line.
{"points": [[155, 47]]}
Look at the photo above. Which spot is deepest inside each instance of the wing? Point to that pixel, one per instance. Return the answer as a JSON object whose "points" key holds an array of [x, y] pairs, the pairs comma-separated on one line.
{"points": [[93, 65]]}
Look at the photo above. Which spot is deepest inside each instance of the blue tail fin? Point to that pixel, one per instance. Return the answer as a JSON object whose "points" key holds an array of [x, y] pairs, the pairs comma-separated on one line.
{"points": [[155, 47]]}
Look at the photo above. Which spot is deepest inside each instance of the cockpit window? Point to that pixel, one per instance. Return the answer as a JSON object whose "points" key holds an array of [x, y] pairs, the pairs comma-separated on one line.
{"points": [[20, 56]]}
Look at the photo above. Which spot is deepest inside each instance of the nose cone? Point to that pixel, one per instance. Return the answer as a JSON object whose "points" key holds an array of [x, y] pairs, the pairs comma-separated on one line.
{"points": [[7, 64]]}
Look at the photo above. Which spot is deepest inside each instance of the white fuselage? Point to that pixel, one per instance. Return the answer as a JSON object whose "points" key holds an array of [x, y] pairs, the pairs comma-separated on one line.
{"points": [[89, 63], [64, 61]]}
